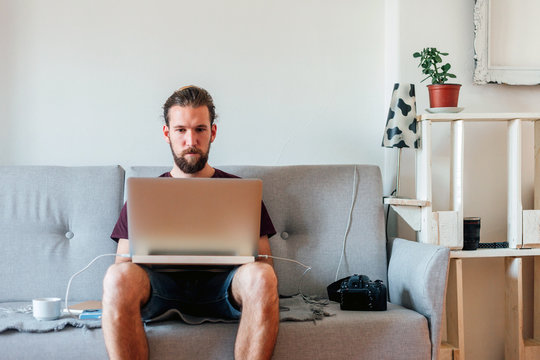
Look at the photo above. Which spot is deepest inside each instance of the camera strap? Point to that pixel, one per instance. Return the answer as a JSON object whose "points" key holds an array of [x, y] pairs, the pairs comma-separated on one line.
{"points": [[334, 289]]}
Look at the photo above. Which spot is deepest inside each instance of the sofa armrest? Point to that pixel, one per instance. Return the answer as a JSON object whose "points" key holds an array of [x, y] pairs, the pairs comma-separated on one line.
{"points": [[417, 275]]}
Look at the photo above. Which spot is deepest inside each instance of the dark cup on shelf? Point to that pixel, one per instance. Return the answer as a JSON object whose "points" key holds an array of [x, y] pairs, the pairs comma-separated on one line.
{"points": [[471, 233]]}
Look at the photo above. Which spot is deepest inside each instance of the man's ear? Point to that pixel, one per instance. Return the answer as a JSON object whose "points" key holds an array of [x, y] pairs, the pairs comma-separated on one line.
{"points": [[166, 134], [213, 130]]}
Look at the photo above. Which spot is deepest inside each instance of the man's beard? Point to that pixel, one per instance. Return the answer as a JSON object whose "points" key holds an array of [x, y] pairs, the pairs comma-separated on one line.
{"points": [[188, 167]]}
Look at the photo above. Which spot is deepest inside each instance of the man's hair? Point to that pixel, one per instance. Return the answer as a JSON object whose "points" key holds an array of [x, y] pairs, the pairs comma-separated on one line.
{"points": [[192, 96]]}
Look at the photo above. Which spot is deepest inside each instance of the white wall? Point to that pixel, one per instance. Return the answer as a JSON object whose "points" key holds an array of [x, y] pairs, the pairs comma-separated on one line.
{"points": [[303, 82], [83, 82]]}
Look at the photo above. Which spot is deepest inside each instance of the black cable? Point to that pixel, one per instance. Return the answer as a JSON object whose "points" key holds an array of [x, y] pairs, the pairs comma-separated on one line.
{"points": [[387, 214]]}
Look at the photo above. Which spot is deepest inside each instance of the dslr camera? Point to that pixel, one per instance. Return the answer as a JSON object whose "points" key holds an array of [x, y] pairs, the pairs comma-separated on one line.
{"points": [[358, 292]]}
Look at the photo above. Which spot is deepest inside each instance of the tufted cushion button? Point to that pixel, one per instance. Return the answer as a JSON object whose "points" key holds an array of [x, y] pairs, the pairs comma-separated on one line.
{"points": [[284, 235], [69, 235]]}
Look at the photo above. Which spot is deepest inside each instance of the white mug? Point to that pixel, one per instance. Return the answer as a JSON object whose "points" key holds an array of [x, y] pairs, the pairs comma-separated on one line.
{"points": [[46, 308]]}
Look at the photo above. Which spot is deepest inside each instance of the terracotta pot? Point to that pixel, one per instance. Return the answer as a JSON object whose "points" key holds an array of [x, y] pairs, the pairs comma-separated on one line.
{"points": [[443, 95]]}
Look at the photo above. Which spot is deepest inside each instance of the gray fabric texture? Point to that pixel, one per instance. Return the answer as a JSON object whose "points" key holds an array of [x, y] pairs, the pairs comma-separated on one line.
{"points": [[70, 343], [309, 206], [417, 275], [53, 221], [295, 308], [398, 333], [18, 316]]}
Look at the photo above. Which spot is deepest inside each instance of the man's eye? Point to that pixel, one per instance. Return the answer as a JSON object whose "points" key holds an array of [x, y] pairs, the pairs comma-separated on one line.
{"points": [[201, 129], [181, 130]]}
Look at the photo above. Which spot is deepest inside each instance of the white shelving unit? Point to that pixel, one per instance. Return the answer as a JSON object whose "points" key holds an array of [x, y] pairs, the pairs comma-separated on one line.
{"points": [[446, 227], [516, 345]]}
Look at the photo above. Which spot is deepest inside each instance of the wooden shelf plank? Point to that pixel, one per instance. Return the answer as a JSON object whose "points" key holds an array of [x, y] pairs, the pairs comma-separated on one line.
{"points": [[405, 202], [446, 351], [446, 117], [532, 343], [456, 183], [484, 253], [532, 349], [423, 182], [514, 345], [454, 306], [536, 299]]}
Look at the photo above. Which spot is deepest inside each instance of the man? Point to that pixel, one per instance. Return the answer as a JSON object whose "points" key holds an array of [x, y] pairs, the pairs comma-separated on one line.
{"points": [[132, 292]]}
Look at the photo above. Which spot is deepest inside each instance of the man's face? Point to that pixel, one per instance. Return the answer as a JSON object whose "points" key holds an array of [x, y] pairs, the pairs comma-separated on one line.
{"points": [[189, 134]]}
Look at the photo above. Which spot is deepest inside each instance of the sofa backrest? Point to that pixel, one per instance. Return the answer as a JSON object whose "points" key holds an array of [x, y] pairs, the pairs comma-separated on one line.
{"points": [[310, 208], [53, 221]]}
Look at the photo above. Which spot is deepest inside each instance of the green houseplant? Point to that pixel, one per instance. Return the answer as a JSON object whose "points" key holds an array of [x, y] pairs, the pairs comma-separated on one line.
{"points": [[441, 94]]}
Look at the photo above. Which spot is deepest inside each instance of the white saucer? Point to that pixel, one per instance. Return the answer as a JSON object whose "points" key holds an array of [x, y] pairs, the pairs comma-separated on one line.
{"points": [[444, 110]]}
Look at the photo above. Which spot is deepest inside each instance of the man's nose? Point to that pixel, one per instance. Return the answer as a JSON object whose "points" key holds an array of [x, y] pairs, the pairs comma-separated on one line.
{"points": [[190, 138]]}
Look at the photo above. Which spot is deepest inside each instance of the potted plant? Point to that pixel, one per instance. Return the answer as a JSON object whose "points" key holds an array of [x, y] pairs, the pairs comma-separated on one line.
{"points": [[441, 94]]}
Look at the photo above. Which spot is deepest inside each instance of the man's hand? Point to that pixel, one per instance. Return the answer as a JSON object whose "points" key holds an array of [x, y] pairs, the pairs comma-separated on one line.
{"points": [[264, 249], [123, 248]]}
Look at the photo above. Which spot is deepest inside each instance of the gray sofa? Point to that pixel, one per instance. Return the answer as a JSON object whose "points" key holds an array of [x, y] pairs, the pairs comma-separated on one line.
{"points": [[54, 220]]}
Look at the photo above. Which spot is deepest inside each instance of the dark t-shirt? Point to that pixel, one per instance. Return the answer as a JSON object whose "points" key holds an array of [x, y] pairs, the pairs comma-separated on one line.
{"points": [[120, 230]]}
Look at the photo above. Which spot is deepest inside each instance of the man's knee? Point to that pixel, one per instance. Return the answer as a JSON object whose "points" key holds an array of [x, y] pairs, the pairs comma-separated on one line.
{"points": [[125, 282], [258, 280]]}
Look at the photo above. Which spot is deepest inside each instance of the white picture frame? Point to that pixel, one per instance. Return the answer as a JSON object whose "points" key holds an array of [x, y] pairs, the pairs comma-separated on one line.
{"points": [[505, 42]]}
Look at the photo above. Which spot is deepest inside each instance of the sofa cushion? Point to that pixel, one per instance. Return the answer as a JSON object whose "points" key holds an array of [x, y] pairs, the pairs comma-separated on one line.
{"points": [[70, 343], [53, 221], [310, 206], [397, 333]]}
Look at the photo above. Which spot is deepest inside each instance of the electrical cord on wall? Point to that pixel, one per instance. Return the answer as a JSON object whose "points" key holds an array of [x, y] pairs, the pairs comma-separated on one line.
{"points": [[388, 214], [348, 228]]}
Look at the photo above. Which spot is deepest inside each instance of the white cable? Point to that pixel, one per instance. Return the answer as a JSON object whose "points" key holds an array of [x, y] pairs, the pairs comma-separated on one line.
{"points": [[82, 270], [308, 268], [284, 259], [353, 200]]}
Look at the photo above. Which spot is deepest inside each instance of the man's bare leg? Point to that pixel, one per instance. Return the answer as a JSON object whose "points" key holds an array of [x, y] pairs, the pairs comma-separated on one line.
{"points": [[126, 288], [254, 288]]}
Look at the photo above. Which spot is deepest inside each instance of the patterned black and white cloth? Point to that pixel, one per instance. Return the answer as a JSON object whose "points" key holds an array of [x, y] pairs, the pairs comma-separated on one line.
{"points": [[401, 126]]}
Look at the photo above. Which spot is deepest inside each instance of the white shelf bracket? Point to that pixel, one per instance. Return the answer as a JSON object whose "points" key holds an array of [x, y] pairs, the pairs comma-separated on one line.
{"points": [[411, 214]]}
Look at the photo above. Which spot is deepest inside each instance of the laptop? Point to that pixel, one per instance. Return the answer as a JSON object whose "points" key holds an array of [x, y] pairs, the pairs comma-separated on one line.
{"points": [[194, 221]]}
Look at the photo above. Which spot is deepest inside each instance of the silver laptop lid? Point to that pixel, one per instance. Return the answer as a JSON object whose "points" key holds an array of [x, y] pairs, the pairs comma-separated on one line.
{"points": [[193, 217]]}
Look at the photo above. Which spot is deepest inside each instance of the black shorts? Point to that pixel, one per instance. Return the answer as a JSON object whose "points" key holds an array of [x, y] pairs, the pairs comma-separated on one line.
{"points": [[197, 293]]}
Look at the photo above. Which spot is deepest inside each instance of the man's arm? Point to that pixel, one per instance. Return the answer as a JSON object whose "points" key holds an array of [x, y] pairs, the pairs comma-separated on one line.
{"points": [[123, 248], [264, 249]]}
